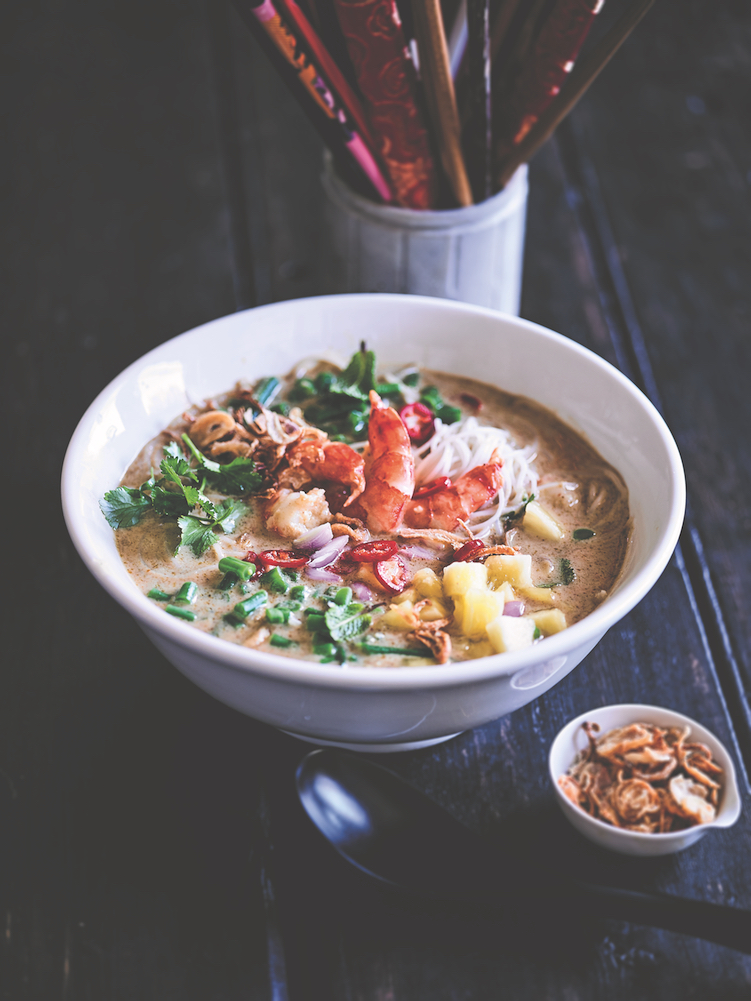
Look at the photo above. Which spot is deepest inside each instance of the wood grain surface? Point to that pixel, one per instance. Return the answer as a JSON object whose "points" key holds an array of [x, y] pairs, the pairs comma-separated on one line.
{"points": [[155, 177]]}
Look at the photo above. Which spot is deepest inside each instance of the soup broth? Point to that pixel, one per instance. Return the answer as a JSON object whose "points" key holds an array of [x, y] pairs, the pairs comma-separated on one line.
{"points": [[455, 589]]}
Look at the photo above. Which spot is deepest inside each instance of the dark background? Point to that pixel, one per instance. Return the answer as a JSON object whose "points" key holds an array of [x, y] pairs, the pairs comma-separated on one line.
{"points": [[155, 177]]}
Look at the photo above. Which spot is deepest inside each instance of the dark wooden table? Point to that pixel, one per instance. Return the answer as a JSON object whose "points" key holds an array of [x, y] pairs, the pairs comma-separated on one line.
{"points": [[154, 178]]}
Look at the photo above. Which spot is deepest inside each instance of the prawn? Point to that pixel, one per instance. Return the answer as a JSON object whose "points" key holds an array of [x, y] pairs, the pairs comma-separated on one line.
{"points": [[317, 460], [389, 469], [445, 508]]}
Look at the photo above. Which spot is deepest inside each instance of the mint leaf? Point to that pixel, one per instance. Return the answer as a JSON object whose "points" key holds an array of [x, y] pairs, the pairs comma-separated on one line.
{"points": [[344, 624], [124, 507]]}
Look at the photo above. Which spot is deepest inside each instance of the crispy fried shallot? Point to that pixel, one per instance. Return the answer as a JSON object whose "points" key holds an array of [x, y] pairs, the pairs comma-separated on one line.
{"points": [[432, 636], [644, 778]]}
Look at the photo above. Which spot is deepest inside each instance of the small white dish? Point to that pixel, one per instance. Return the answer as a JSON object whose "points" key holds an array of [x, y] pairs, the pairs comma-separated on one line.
{"points": [[572, 739]]}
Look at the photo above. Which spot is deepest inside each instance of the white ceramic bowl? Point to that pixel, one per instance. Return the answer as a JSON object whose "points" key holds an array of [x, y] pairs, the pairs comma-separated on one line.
{"points": [[363, 706], [573, 739]]}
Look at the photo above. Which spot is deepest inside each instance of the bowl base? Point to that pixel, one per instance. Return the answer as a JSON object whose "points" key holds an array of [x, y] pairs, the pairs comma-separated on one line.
{"points": [[409, 745]]}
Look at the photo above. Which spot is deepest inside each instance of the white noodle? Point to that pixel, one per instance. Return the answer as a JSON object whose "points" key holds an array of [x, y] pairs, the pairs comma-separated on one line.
{"points": [[454, 449]]}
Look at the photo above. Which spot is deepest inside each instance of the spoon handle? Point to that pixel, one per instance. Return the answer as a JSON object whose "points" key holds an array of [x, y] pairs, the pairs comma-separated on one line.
{"points": [[728, 926]]}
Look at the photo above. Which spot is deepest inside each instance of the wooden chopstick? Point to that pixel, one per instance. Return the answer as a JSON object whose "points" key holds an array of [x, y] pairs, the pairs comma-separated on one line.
{"points": [[439, 94], [584, 72]]}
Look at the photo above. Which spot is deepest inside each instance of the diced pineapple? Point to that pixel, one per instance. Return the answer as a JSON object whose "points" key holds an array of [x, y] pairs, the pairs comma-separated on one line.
{"points": [[458, 578], [549, 621], [538, 521], [476, 608], [506, 590], [427, 583], [401, 616], [542, 594], [507, 633], [517, 570], [409, 595], [433, 610]]}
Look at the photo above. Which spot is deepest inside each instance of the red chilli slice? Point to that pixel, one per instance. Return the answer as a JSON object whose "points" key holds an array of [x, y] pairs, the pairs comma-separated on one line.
{"points": [[442, 483], [419, 422], [392, 574], [285, 558], [468, 550], [374, 552]]}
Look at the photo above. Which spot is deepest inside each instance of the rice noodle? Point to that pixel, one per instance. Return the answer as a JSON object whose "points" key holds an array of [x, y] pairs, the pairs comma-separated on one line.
{"points": [[454, 449]]}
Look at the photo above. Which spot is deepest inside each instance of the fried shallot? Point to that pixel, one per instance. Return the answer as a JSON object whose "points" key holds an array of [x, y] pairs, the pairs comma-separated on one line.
{"points": [[645, 778]]}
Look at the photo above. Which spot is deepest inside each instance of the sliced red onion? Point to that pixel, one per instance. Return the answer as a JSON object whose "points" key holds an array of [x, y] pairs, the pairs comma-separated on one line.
{"points": [[418, 553], [328, 553], [361, 591], [325, 576], [514, 608], [315, 539]]}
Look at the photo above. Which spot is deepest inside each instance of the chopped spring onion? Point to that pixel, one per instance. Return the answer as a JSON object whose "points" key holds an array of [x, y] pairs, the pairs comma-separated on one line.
{"points": [[158, 595], [187, 593], [231, 565], [181, 613], [281, 641]]}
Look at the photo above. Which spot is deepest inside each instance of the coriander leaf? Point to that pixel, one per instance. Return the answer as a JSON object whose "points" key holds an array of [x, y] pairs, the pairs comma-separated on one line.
{"points": [[568, 574], [175, 466], [228, 512], [343, 624], [170, 503], [580, 534], [519, 512], [241, 476], [173, 449], [195, 533], [124, 507], [207, 464]]}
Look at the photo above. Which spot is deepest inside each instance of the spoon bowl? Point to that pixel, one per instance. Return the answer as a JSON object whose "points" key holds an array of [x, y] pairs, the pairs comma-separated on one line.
{"points": [[390, 830]]}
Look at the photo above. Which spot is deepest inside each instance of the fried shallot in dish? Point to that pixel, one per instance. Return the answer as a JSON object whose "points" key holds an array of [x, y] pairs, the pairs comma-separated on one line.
{"points": [[644, 778]]}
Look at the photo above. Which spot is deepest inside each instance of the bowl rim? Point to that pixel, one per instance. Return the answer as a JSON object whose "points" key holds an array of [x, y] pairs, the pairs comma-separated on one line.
{"points": [[455, 674], [730, 806]]}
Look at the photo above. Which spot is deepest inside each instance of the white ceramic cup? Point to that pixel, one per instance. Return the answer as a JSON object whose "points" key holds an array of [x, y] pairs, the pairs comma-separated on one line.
{"points": [[473, 254]]}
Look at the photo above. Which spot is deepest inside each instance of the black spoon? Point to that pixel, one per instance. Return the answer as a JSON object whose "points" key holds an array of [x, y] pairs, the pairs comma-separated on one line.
{"points": [[390, 830]]}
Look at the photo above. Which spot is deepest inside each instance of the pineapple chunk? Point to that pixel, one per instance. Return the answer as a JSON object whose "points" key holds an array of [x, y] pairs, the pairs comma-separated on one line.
{"points": [[476, 608], [458, 578], [542, 594], [549, 621], [433, 610], [409, 595], [517, 570], [538, 521], [507, 633], [428, 583], [401, 616]]}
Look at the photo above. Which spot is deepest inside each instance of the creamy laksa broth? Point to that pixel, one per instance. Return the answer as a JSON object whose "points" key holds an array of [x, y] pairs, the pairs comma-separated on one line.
{"points": [[342, 517]]}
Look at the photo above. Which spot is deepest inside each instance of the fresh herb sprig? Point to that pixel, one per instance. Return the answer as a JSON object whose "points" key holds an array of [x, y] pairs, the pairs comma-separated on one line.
{"points": [[180, 493]]}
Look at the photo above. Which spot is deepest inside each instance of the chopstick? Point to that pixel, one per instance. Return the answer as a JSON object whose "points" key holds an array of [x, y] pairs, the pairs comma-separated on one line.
{"points": [[440, 97], [582, 75], [551, 57], [478, 131]]}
